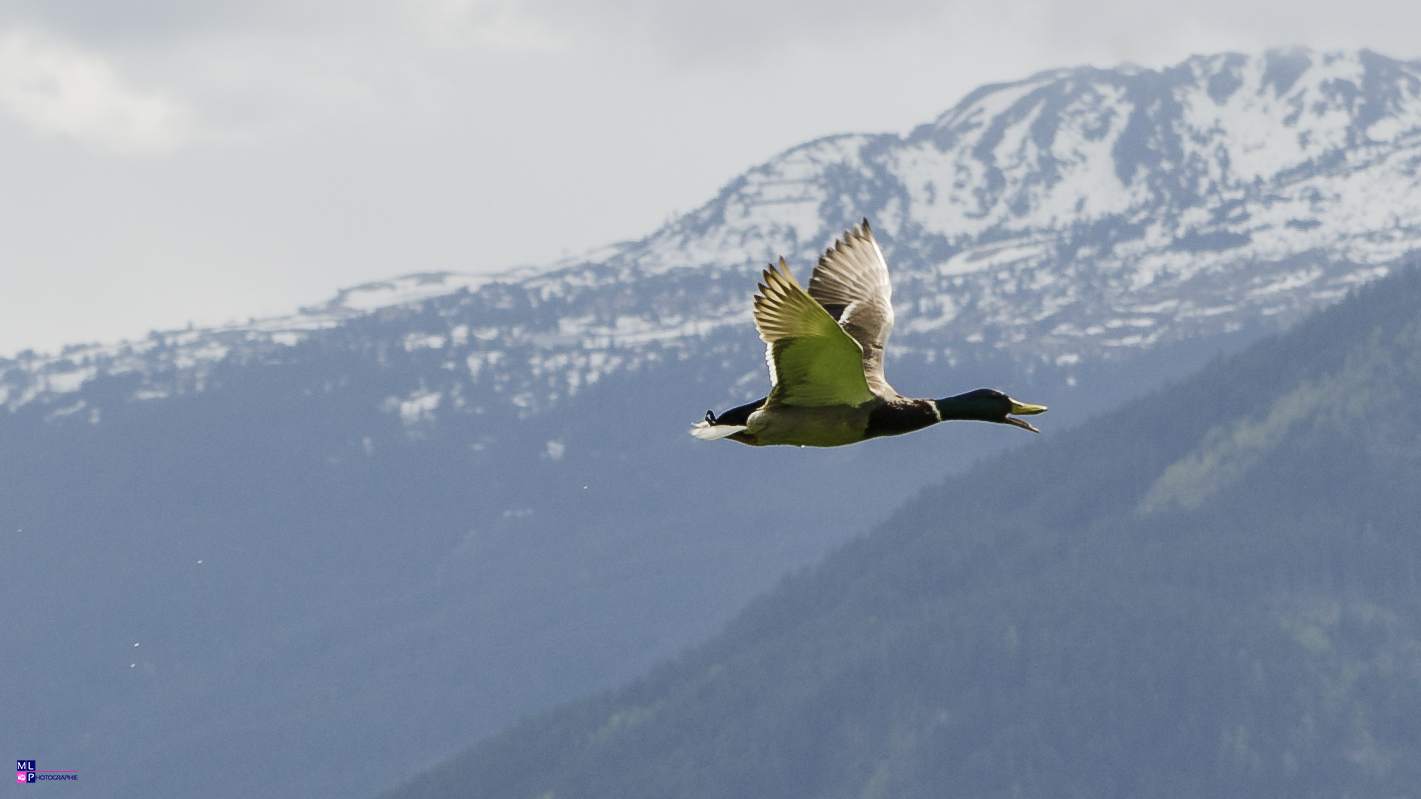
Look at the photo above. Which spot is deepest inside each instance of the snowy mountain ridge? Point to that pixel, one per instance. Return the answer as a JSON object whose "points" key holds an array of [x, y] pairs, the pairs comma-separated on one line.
{"points": [[1060, 219]]}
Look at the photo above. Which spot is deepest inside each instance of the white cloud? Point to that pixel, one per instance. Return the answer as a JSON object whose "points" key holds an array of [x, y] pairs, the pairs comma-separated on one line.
{"points": [[55, 88]]}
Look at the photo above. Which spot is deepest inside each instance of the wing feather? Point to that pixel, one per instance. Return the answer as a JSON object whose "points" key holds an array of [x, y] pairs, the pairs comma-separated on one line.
{"points": [[813, 361], [851, 282]]}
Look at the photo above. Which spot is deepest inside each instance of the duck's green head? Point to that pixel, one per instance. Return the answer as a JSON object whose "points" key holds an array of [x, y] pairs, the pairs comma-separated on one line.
{"points": [[988, 405]]}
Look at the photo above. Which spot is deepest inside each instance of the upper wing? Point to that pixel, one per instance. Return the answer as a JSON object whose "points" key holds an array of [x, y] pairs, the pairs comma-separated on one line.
{"points": [[812, 360], [851, 282]]}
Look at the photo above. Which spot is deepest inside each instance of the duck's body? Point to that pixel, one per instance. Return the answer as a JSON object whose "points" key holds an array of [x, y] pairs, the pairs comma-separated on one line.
{"points": [[824, 348], [825, 426]]}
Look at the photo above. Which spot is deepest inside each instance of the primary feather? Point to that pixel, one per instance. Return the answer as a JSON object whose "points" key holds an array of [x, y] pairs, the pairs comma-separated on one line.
{"points": [[813, 362], [851, 282]]}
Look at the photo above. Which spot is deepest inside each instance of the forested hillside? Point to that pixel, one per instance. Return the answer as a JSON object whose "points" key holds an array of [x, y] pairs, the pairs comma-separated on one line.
{"points": [[1215, 591]]}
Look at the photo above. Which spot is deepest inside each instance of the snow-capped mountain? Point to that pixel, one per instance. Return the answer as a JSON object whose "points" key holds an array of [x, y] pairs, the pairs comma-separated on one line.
{"points": [[1062, 218], [373, 531]]}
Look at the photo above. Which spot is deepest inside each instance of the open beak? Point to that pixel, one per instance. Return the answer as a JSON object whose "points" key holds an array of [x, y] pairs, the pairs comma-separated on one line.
{"points": [[1023, 409]]}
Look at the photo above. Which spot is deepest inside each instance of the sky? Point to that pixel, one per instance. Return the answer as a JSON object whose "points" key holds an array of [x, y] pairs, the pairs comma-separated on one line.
{"points": [[175, 162]]}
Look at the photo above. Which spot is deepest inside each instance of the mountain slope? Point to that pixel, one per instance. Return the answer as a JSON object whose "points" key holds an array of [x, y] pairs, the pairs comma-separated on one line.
{"points": [[440, 503], [1074, 216], [1216, 592]]}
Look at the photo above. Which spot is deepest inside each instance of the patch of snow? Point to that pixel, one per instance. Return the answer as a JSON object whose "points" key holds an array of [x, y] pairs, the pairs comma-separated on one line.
{"points": [[67, 382], [418, 407]]}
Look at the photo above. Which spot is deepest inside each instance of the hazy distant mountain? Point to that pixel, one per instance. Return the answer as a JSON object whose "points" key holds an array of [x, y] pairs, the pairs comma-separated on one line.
{"points": [[442, 502], [1216, 593]]}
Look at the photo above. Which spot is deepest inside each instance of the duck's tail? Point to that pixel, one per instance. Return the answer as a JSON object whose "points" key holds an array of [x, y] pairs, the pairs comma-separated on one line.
{"points": [[706, 431], [710, 430]]}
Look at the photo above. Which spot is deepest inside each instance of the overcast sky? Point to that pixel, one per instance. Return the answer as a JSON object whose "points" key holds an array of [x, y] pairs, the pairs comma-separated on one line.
{"points": [[174, 161]]}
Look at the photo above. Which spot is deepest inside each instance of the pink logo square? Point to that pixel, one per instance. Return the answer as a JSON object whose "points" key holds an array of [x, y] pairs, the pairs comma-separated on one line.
{"points": [[19, 776]]}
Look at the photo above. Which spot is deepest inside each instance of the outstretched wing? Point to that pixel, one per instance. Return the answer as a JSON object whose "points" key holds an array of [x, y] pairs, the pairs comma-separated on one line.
{"points": [[851, 282], [812, 360]]}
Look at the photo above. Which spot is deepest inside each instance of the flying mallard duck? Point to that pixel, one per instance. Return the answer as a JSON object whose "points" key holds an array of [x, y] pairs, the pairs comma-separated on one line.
{"points": [[825, 352]]}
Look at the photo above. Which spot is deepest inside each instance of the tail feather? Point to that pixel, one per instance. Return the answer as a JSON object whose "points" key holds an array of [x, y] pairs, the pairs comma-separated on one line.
{"points": [[706, 431]]}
